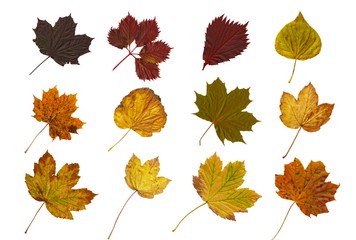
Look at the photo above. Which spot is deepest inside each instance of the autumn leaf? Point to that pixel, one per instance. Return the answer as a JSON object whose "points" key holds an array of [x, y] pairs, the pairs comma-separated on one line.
{"points": [[306, 187], [219, 188], [298, 40], [224, 111], [304, 112], [141, 111], [143, 180], [56, 190], [144, 34], [57, 112], [224, 40], [60, 42]]}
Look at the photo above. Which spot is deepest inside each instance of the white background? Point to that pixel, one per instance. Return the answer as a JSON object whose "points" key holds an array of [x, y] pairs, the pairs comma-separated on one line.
{"points": [[99, 90]]}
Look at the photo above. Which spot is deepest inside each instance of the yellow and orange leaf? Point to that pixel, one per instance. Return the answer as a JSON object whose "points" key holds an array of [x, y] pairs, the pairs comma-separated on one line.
{"points": [[57, 112]]}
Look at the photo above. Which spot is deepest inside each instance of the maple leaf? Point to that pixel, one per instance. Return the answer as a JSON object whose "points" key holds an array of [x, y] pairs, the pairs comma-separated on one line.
{"points": [[306, 187], [298, 40], [144, 34], [224, 111], [56, 111], [219, 188], [225, 39], [60, 42], [143, 180], [141, 111], [56, 190], [305, 112]]}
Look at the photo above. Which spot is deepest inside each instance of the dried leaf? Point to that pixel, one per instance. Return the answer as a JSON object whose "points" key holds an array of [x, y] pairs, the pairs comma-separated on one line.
{"points": [[144, 34], [219, 188], [60, 42], [298, 40], [56, 190], [143, 178], [225, 40], [224, 111], [306, 187], [305, 112], [57, 112], [142, 111]]}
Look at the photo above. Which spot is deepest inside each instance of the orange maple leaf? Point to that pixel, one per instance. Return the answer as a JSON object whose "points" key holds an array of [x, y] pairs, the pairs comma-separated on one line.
{"points": [[306, 187], [56, 190], [57, 112]]}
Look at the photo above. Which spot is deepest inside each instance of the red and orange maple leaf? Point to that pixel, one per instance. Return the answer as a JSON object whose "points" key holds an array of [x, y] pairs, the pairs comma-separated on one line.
{"points": [[144, 35], [225, 40]]}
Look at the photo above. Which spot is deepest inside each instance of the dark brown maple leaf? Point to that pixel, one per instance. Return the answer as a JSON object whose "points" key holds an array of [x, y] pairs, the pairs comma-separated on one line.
{"points": [[60, 42], [144, 34], [225, 40]]}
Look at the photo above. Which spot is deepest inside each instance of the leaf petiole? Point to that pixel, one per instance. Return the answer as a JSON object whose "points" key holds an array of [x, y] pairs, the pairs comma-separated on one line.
{"points": [[290, 79], [36, 137], [34, 217], [205, 133], [187, 216], [130, 53], [39, 65], [283, 221], [292, 142], [119, 140], [120, 213]]}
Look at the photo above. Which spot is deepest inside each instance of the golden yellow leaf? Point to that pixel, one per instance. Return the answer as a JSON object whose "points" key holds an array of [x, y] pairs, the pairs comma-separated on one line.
{"points": [[143, 178], [304, 112], [142, 111], [298, 40]]}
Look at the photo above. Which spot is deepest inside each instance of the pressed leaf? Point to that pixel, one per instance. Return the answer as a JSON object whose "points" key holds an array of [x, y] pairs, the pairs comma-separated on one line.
{"points": [[225, 110], [298, 40], [57, 112], [220, 188], [143, 179], [144, 34], [142, 111], [60, 42], [304, 112], [225, 39], [56, 190], [306, 187]]}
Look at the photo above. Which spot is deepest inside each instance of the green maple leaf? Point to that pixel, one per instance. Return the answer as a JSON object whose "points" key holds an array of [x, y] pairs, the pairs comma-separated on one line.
{"points": [[225, 111]]}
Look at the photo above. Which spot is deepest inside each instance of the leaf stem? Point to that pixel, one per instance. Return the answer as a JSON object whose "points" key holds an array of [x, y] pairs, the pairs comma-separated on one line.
{"points": [[36, 137], [120, 213], [283, 221], [295, 62], [292, 143], [34, 217], [205, 133], [187, 216], [39, 65], [119, 140]]}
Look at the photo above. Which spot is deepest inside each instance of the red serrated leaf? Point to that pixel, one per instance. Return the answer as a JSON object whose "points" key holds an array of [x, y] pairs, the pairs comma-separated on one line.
{"points": [[225, 40], [147, 32], [146, 70], [155, 52], [125, 34]]}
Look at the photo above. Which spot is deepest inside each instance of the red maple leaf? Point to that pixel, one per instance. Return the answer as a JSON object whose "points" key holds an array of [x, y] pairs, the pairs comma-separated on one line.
{"points": [[224, 39], [144, 35]]}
